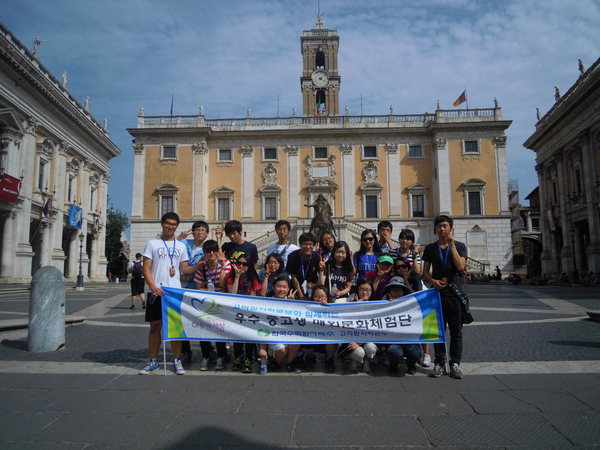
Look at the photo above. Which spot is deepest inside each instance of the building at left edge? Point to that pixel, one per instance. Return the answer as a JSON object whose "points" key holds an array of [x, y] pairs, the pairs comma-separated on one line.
{"points": [[54, 154]]}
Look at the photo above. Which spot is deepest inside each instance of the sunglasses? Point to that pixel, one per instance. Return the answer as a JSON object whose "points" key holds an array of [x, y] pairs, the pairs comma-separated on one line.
{"points": [[401, 267], [241, 263], [368, 239], [208, 252]]}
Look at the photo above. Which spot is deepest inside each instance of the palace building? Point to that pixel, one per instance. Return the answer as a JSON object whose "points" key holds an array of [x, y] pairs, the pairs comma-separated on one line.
{"points": [[54, 159], [399, 167]]}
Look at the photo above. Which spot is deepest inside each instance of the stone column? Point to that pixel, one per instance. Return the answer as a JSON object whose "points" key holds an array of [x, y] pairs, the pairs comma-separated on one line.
{"points": [[394, 184], [45, 232], [501, 174], [546, 255], [589, 178], [293, 176], [94, 182], [442, 184], [11, 142], [247, 194], [101, 232], [85, 211], [24, 252], [8, 247], [348, 179], [200, 181], [566, 253], [73, 249], [139, 168], [58, 205]]}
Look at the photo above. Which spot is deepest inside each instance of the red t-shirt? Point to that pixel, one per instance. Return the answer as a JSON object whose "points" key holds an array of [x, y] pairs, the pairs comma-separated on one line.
{"points": [[245, 286], [204, 275]]}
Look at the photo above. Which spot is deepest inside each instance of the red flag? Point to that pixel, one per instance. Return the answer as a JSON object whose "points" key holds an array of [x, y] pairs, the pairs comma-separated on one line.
{"points": [[461, 98], [9, 188]]}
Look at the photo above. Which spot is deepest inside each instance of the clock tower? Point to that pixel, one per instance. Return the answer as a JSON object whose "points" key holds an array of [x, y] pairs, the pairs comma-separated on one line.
{"points": [[320, 80]]}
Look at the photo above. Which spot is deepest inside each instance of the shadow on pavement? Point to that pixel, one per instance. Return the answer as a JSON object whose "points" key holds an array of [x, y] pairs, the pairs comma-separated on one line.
{"points": [[216, 437], [576, 343]]}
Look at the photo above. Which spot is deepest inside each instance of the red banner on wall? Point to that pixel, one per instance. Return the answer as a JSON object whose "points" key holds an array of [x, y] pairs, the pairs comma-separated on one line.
{"points": [[9, 188]]}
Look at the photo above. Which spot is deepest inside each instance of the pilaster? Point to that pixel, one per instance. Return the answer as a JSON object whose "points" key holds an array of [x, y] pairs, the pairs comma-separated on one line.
{"points": [[200, 181], [348, 185], [293, 169], [137, 200], [248, 184], [60, 167], [394, 184], [442, 184], [502, 174]]}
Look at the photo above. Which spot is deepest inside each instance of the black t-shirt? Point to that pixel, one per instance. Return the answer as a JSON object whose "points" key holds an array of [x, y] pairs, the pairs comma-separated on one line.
{"points": [[435, 256], [232, 251], [303, 267]]}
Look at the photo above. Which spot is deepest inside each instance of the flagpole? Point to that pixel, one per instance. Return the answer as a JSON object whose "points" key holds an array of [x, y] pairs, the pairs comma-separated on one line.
{"points": [[172, 96], [466, 98]]}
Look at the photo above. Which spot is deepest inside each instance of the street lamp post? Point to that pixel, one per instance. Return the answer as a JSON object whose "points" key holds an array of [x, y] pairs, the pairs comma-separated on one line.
{"points": [[575, 272], [80, 276]]}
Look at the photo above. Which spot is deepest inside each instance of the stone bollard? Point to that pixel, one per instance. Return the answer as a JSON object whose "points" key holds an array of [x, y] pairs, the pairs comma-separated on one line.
{"points": [[46, 311]]}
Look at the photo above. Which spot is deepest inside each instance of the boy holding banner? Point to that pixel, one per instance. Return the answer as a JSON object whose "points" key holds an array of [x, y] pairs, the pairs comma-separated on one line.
{"points": [[165, 258], [447, 259]]}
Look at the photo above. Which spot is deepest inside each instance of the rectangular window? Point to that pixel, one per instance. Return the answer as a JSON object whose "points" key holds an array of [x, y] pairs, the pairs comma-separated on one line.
{"points": [[369, 152], [418, 205], [41, 175], [535, 223], [474, 203], [371, 210], [321, 153], [471, 147], [169, 152], [415, 151], [225, 154], [166, 204], [223, 208], [270, 154], [270, 208]]}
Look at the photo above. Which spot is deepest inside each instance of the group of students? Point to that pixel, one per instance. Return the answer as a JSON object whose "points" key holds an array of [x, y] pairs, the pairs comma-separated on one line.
{"points": [[322, 270]]}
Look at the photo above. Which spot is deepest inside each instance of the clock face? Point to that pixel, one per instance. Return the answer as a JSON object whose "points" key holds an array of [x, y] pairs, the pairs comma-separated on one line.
{"points": [[320, 78]]}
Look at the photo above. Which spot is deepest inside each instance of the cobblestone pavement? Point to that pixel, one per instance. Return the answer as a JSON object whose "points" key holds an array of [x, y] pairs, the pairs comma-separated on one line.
{"points": [[532, 379]]}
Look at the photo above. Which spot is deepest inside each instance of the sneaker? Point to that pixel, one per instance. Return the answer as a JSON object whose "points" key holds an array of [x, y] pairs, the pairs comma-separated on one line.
{"points": [[292, 368], [247, 365], [219, 364], [186, 358], [151, 367], [366, 366], [411, 369], [426, 360], [438, 370], [143, 305], [353, 366], [178, 367], [237, 363], [455, 371], [132, 307], [329, 365], [204, 364]]}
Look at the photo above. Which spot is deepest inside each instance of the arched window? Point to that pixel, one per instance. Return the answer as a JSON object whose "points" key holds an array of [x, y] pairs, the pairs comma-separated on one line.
{"points": [[320, 60], [321, 105]]}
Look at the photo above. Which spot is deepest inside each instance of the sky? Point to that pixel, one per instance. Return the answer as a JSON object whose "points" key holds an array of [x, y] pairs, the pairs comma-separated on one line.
{"points": [[234, 55]]}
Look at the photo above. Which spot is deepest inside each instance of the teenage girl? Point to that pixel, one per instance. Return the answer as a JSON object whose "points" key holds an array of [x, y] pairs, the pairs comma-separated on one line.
{"points": [[339, 271], [365, 259], [243, 280]]}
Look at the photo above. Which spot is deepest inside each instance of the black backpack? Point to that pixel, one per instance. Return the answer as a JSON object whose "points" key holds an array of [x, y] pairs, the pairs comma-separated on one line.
{"points": [[137, 269]]}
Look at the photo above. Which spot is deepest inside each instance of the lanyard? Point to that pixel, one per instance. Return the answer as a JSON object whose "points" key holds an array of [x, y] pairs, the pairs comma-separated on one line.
{"points": [[169, 254], [444, 254], [307, 267]]}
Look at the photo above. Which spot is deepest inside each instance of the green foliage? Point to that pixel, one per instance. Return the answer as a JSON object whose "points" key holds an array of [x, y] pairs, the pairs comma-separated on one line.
{"points": [[116, 223]]}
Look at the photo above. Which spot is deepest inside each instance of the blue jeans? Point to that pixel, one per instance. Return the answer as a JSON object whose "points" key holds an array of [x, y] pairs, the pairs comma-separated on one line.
{"points": [[412, 352]]}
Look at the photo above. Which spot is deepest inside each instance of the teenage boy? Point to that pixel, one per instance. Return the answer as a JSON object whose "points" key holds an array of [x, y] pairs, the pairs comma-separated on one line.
{"points": [[283, 246], [384, 230], [136, 269], [193, 248], [446, 259], [303, 266], [237, 244], [165, 258]]}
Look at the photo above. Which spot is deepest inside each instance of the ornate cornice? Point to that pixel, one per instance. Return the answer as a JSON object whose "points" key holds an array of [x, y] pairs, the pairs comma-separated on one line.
{"points": [[440, 144], [138, 149], [500, 141], [200, 148], [291, 150], [246, 151], [346, 149], [391, 148]]}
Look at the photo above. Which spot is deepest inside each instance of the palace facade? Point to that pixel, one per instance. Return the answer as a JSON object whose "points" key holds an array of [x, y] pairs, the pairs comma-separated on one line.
{"points": [[53, 155], [567, 146], [403, 168]]}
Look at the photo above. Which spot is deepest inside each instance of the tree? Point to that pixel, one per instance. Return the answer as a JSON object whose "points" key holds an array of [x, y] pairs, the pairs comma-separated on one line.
{"points": [[116, 222]]}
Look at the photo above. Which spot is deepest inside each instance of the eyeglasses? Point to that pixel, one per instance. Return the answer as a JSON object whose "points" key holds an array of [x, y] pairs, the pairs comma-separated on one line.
{"points": [[208, 252], [171, 224], [241, 263], [368, 239]]}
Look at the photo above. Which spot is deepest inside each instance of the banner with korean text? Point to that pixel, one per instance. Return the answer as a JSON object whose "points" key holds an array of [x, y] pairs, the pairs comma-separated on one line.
{"points": [[212, 316]]}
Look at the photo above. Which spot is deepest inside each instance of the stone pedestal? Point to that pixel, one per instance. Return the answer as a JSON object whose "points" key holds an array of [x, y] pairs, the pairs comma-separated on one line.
{"points": [[47, 311]]}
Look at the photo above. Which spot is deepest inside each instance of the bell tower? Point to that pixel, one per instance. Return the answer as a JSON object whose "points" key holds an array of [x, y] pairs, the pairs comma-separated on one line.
{"points": [[320, 80]]}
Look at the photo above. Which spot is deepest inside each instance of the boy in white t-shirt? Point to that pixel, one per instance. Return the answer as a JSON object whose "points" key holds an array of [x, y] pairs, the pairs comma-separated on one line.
{"points": [[165, 258]]}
